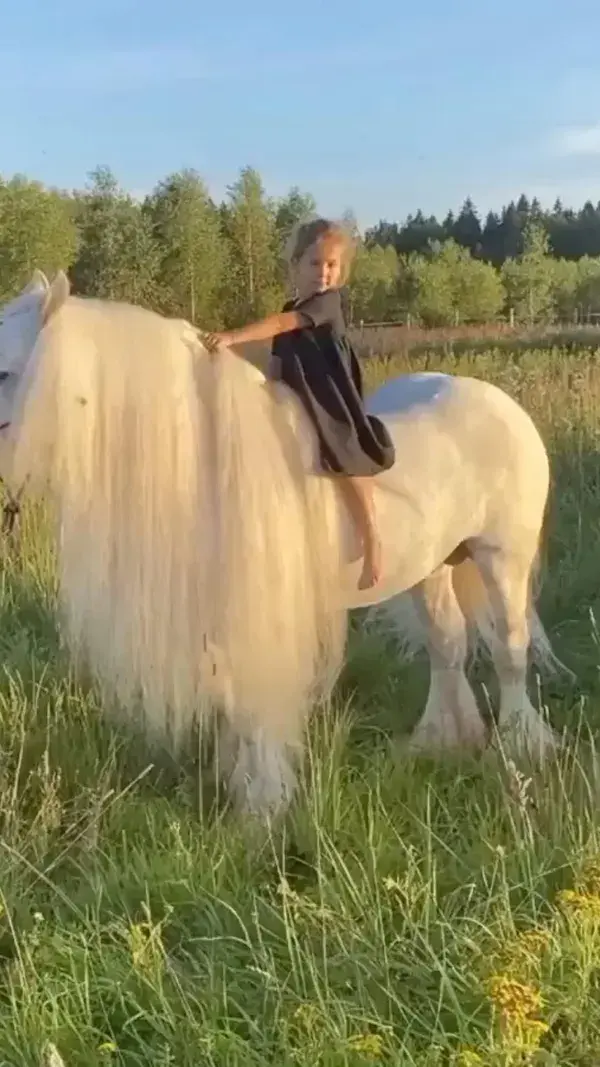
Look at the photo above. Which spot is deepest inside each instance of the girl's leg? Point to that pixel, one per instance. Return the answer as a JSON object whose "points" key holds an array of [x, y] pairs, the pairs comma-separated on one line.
{"points": [[359, 496]]}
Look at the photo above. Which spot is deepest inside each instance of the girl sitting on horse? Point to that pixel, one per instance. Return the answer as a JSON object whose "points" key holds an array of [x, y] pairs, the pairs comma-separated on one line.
{"points": [[313, 355]]}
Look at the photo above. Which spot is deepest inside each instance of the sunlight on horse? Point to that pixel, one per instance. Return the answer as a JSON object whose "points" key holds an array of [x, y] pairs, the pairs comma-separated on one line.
{"points": [[206, 568]]}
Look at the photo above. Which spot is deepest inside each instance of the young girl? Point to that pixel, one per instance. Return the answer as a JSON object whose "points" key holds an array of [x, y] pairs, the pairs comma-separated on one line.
{"points": [[312, 354]]}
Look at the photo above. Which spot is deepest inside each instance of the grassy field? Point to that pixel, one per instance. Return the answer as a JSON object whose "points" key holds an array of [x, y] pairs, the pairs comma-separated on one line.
{"points": [[388, 339], [410, 912]]}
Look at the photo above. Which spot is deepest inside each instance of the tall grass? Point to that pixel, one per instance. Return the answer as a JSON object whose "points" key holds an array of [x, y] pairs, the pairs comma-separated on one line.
{"points": [[386, 341], [409, 912]]}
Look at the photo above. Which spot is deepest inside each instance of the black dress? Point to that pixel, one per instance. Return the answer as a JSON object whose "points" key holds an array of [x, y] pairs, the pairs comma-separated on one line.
{"points": [[319, 363]]}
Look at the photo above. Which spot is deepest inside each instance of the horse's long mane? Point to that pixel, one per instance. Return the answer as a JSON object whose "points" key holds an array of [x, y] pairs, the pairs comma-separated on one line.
{"points": [[190, 540]]}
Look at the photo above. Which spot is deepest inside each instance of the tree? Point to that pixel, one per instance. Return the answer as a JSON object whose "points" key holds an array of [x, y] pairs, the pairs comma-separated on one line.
{"points": [[453, 287], [479, 294], [372, 283], [433, 300], [220, 264], [528, 277], [37, 229], [491, 239], [254, 285], [587, 234], [419, 233], [290, 210], [587, 291], [118, 258], [466, 228], [186, 227], [384, 234], [564, 278]]}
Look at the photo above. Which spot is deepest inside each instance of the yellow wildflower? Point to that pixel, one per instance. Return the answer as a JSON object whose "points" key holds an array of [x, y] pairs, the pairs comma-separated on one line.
{"points": [[525, 950], [533, 942], [583, 905], [517, 1004], [306, 1015], [145, 945], [516, 1001], [390, 883], [369, 1045], [467, 1057], [531, 1033], [589, 880]]}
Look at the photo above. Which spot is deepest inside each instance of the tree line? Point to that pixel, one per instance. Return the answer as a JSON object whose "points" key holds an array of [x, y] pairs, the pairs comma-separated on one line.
{"points": [[220, 265], [571, 234]]}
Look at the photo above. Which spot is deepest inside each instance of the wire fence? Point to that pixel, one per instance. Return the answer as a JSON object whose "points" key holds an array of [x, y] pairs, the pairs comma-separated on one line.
{"points": [[580, 318]]}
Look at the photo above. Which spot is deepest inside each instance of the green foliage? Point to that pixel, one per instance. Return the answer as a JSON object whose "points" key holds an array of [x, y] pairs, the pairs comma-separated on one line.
{"points": [[587, 291], [453, 287], [186, 228], [37, 229], [466, 229], [565, 277], [118, 258], [222, 265], [373, 283], [294, 207], [253, 278], [433, 303], [528, 278]]}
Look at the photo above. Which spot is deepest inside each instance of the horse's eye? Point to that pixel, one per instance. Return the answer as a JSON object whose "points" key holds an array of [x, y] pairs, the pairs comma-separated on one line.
{"points": [[4, 375]]}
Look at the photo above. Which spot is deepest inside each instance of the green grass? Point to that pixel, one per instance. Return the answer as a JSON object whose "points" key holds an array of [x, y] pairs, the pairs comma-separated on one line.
{"points": [[138, 928]]}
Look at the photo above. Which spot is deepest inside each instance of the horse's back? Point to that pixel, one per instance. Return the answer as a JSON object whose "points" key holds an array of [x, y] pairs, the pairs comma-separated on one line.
{"points": [[409, 394], [475, 420]]}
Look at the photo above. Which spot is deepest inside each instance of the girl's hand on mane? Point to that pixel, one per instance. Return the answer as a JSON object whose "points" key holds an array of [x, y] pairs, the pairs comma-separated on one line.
{"points": [[213, 341]]}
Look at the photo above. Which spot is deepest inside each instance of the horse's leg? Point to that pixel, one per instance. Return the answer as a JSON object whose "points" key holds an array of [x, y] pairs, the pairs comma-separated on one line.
{"points": [[507, 578], [451, 718], [257, 770], [256, 766], [263, 779]]}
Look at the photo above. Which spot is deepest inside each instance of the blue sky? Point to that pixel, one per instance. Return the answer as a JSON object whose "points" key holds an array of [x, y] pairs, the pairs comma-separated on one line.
{"points": [[382, 107]]}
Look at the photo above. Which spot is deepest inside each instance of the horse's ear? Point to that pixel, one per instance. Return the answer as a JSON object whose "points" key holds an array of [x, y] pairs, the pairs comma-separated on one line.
{"points": [[38, 281], [56, 296]]}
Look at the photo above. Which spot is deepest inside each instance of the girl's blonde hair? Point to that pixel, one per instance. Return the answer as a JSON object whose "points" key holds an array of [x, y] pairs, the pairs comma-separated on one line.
{"points": [[308, 231]]}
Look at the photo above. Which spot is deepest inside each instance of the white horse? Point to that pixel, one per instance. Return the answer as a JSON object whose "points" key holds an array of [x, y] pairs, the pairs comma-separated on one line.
{"points": [[206, 570]]}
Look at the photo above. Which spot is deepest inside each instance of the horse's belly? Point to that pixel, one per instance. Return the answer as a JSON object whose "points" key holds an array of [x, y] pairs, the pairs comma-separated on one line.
{"points": [[433, 497]]}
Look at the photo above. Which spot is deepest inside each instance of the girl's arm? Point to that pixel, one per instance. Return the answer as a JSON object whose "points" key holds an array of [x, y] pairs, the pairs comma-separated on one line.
{"points": [[282, 322]]}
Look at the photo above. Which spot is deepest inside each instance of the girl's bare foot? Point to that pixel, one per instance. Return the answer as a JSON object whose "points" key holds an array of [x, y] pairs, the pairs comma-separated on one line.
{"points": [[371, 572]]}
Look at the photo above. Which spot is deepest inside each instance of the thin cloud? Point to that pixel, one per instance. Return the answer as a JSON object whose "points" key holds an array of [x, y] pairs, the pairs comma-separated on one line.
{"points": [[578, 141], [103, 69], [110, 70]]}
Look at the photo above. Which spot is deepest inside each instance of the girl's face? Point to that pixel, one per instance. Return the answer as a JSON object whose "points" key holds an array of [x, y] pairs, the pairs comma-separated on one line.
{"points": [[320, 267]]}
